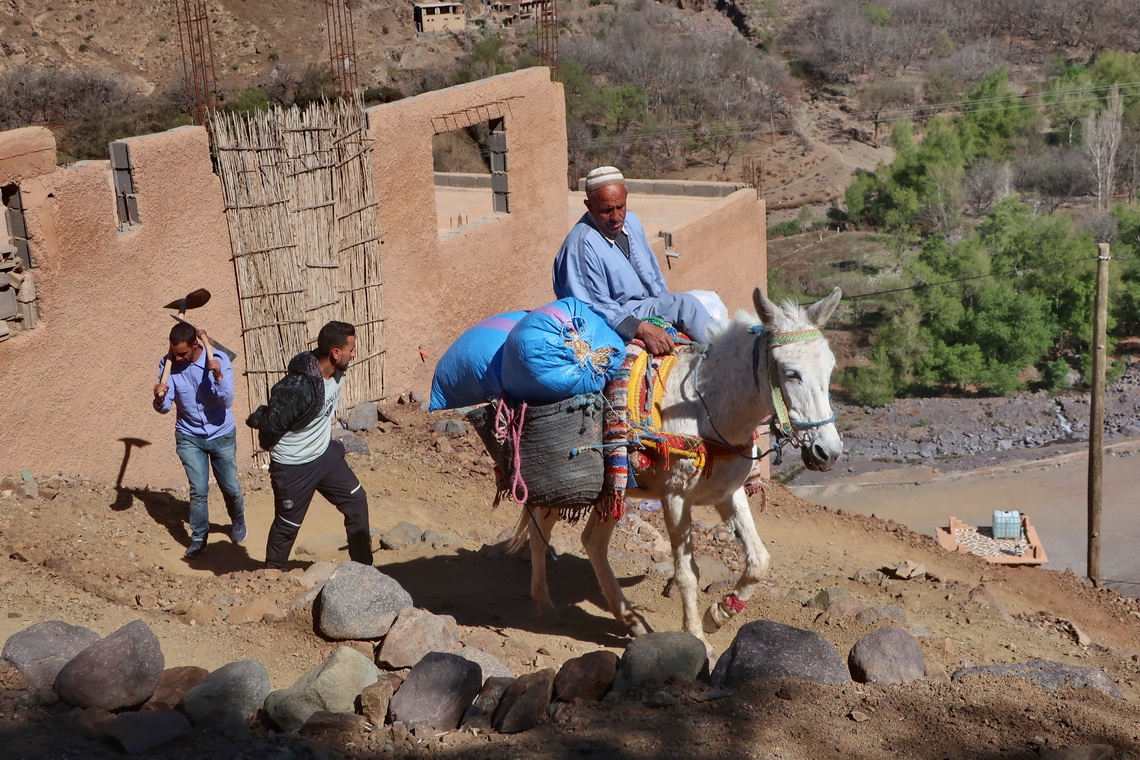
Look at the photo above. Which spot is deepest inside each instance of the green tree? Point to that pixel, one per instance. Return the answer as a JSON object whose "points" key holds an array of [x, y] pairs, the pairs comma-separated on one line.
{"points": [[1052, 259], [1067, 102], [252, 98], [992, 117]]}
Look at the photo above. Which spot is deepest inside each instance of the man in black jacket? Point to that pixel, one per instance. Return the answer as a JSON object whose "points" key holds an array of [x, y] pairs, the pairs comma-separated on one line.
{"points": [[296, 429]]}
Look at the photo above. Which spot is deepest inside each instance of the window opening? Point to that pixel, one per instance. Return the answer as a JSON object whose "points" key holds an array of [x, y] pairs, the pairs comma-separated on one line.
{"points": [[470, 166], [17, 285], [126, 201]]}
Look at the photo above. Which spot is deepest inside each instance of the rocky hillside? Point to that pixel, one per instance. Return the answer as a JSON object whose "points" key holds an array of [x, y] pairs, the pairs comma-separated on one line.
{"points": [[139, 39]]}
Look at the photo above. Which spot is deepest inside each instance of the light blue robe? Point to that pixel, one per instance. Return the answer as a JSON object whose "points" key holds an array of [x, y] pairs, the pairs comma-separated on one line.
{"points": [[592, 268]]}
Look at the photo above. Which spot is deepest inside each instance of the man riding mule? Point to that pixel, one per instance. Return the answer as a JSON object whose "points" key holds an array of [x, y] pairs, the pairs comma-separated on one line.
{"points": [[695, 447], [606, 261]]}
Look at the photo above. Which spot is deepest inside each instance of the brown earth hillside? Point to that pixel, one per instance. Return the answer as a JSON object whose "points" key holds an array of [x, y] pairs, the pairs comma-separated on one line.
{"points": [[94, 556]]}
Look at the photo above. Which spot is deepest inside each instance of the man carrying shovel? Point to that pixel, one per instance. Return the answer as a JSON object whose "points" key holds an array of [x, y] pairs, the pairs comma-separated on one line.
{"points": [[201, 383]]}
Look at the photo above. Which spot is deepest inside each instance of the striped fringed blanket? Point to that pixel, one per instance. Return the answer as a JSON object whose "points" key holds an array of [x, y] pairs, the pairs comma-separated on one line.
{"points": [[616, 439], [632, 437]]}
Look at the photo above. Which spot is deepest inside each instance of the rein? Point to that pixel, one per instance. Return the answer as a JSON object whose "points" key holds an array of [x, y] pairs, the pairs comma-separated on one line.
{"points": [[782, 427]]}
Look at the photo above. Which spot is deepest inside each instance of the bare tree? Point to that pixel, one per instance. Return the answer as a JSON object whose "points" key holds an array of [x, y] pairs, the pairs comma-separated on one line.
{"points": [[1102, 141], [1054, 174], [985, 183]]}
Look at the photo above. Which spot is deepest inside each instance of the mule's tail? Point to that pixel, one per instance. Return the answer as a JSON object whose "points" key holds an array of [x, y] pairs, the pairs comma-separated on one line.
{"points": [[521, 539]]}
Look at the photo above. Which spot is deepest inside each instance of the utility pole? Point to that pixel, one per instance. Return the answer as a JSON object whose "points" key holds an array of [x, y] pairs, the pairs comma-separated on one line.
{"points": [[1096, 421]]}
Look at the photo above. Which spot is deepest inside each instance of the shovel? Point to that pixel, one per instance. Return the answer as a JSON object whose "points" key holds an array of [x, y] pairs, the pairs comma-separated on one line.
{"points": [[193, 300]]}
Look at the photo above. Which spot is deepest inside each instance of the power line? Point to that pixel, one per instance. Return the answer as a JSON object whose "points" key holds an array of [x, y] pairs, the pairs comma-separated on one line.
{"points": [[1014, 273]]}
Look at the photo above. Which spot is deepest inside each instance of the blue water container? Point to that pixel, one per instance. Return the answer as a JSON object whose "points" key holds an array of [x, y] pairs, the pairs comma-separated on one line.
{"points": [[1007, 523]]}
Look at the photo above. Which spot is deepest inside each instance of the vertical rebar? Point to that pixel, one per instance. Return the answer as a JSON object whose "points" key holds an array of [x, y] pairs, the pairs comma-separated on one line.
{"points": [[342, 46], [199, 75], [548, 36]]}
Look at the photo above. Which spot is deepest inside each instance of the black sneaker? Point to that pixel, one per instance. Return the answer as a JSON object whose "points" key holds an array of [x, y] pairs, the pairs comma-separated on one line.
{"points": [[195, 549], [238, 531]]}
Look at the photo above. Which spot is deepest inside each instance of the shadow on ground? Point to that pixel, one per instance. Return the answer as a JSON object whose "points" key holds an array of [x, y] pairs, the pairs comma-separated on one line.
{"points": [[483, 591]]}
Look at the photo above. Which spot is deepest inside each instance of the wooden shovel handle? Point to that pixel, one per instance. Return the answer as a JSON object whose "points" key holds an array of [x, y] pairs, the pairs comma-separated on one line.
{"points": [[166, 370], [209, 348]]}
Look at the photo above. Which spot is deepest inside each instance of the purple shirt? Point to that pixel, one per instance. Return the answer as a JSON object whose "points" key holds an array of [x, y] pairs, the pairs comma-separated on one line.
{"points": [[203, 402]]}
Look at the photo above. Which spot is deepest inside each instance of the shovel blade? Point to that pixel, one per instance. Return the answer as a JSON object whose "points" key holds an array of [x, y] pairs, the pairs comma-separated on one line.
{"points": [[192, 300]]}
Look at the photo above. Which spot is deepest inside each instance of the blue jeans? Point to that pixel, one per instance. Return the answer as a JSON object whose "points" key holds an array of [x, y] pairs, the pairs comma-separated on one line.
{"points": [[197, 455]]}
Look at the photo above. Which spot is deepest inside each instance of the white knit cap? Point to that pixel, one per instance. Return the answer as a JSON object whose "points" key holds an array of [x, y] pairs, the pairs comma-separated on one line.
{"points": [[602, 176]]}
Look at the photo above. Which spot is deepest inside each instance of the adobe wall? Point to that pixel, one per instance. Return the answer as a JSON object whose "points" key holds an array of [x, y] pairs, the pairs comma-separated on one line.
{"points": [[26, 152], [80, 382], [435, 288], [723, 249]]}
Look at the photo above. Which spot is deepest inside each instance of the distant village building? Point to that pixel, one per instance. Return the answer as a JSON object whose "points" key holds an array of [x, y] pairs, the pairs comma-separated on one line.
{"points": [[433, 18], [526, 9]]}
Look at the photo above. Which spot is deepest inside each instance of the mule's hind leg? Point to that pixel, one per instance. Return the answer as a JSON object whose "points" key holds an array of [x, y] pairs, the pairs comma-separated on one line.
{"points": [[679, 522], [737, 513], [541, 523], [596, 540]]}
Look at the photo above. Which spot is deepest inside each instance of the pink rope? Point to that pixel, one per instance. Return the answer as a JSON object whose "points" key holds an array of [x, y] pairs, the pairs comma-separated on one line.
{"points": [[508, 428]]}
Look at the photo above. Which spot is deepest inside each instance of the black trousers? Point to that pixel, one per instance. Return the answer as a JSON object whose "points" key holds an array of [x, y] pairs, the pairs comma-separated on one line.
{"points": [[293, 489]]}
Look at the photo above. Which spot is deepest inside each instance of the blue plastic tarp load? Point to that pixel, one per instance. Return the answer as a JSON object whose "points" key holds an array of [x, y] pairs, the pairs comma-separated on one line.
{"points": [[468, 373], [559, 351]]}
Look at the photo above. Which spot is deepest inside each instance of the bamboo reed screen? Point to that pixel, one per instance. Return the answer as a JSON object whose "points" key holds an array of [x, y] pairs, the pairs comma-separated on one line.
{"points": [[299, 203]]}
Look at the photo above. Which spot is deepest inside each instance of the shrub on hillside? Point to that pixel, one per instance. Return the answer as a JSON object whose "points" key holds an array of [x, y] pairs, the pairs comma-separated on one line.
{"points": [[86, 109], [784, 229]]}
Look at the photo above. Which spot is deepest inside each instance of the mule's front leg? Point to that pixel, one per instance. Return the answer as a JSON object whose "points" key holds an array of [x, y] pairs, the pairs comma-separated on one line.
{"points": [[541, 524], [596, 540], [678, 521], [738, 513]]}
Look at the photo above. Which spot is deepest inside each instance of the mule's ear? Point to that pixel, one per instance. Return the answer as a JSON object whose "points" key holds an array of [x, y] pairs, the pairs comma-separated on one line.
{"points": [[821, 311], [768, 312]]}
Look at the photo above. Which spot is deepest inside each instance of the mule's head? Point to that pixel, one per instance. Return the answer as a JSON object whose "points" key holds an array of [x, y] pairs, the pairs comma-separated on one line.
{"points": [[801, 363]]}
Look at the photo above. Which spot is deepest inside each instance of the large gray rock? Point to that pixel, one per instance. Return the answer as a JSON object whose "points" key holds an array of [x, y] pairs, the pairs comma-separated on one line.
{"points": [[887, 656], [660, 658], [525, 702], [40, 651], [140, 732], [1050, 676], [437, 692], [415, 633], [362, 417], [360, 602], [121, 670], [764, 650], [353, 444], [231, 694], [332, 686]]}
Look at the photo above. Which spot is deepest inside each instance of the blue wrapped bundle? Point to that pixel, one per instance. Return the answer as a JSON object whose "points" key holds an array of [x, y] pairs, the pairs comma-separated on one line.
{"points": [[468, 373], [559, 351]]}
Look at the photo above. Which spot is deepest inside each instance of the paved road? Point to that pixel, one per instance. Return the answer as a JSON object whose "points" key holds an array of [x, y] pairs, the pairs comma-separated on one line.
{"points": [[1053, 492]]}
